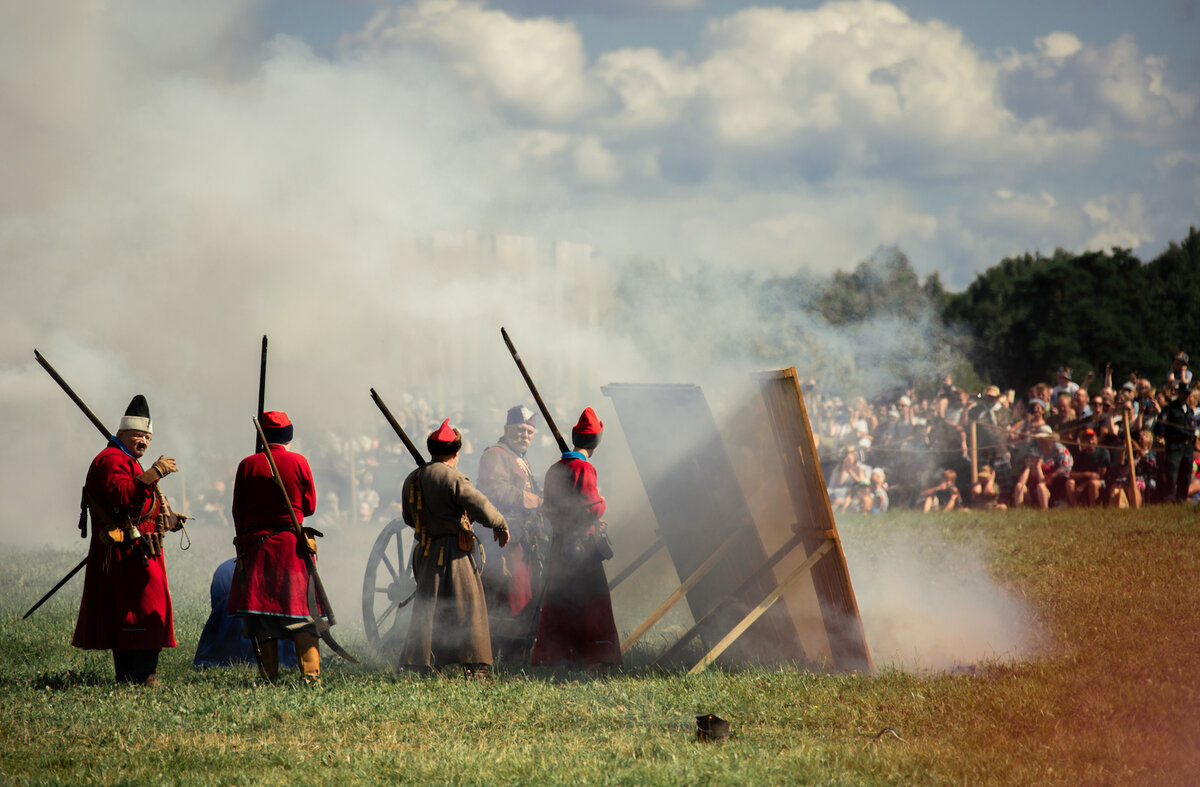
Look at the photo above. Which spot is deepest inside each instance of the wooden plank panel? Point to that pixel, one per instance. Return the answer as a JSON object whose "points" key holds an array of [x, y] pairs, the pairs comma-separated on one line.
{"points": [[802, 472], [698, 502]]}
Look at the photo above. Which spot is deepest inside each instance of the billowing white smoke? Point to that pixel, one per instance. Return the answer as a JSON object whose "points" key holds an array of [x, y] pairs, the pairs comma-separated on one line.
{"points": [[931, 605]]}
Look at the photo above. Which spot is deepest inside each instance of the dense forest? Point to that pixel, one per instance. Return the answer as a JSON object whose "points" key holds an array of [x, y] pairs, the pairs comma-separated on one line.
{"points": [[1027, 315], [879, 326]]}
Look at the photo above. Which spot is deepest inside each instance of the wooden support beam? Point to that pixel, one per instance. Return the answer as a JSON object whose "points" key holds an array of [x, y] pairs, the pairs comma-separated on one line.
{"points": [[742, 589], [761, 609], [637, 563], [1135, 494], [682, 590]]}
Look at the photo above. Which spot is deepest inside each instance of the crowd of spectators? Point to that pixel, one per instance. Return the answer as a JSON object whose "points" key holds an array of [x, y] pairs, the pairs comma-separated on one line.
{"points": [[1065, 443]]}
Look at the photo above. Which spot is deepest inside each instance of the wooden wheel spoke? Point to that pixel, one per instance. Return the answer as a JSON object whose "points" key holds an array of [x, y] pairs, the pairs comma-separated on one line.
{"points": [[391, 608], [391, 569]]}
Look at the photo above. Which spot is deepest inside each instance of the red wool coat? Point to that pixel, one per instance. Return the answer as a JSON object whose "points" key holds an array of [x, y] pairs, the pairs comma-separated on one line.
{"points": [[577, 625], [272, 578], [125, 605]]}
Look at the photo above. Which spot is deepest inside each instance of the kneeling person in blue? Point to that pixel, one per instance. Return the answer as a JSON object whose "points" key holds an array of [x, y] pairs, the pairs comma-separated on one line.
{"points": [[221, 642]]}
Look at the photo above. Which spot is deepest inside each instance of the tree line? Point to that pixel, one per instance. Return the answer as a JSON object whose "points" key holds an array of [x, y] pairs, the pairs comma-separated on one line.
{"points": [[880, 325]]}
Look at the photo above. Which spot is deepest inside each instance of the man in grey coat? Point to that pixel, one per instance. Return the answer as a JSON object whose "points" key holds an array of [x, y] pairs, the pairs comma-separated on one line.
{"points": [[449, 623]]}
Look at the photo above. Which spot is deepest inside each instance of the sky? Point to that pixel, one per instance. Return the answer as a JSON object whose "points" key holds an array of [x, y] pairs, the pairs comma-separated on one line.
{"points": [[807, 134]]}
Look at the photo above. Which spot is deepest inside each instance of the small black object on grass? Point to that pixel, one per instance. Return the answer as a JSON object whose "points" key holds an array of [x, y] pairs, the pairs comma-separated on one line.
{"points": [[711, 729]]}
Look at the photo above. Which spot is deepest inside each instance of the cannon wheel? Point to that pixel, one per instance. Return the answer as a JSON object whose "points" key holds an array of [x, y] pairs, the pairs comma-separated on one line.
{"points": [[388, 582]]}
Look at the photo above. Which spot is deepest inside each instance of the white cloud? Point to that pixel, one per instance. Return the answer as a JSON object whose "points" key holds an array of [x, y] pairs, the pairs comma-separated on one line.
{"points": [[601, 8], [774, 100], [870, 88], [532, 66], [1117, 221], [594, 162], [1058, 45], [853, 86], [652, 90], [1113, 88]]}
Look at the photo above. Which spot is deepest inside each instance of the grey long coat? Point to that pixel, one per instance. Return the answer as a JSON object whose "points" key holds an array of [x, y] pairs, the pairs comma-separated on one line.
{"points": [[449, 619]]}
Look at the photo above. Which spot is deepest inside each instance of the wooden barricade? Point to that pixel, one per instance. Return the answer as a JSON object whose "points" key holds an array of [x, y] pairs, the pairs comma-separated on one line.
{"points": [[746, 535], [698, 504]]}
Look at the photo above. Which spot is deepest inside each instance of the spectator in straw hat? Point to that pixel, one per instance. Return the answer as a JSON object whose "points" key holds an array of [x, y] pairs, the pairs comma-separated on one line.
{"points": [[985, 493], [1045, 473]]}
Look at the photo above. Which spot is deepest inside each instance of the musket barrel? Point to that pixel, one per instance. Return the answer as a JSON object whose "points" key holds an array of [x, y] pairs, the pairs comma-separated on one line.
{"points": [[74, 397], [54, 589], [262, 390], [537, 397], [398, 429]]}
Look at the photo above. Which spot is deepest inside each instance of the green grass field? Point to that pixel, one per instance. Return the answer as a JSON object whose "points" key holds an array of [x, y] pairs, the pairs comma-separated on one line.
{"points": [[1111, 699]]}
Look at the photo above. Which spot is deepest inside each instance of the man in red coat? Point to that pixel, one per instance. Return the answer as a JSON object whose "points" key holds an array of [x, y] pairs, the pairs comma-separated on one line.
{"points": [[270, 583], [508, 577], [577, 626], [126, 605]]}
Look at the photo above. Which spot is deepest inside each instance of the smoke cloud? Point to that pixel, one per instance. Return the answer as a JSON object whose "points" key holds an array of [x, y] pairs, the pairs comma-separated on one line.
{"points": [[930, 605]]}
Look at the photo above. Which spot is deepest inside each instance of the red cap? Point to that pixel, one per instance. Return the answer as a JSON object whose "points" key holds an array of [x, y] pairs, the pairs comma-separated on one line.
{"points": [[588, 423], [275, 419], [445, 434]]}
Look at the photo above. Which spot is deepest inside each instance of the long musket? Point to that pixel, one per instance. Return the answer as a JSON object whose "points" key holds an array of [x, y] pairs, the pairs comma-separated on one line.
{"points": [[416, 455], [398, 429], [54, 589], [107, 435], [531, 639], [74, 397], [256, 646], [262, 391], [537, 397], [316, 589]]}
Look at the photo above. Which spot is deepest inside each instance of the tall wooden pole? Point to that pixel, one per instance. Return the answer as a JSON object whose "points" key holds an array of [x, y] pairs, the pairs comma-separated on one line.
{"points": [[1135, 495]]}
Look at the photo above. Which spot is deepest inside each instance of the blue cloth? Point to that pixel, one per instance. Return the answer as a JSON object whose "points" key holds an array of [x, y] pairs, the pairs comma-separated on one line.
{"points": [[221, 643], [115, 441]]}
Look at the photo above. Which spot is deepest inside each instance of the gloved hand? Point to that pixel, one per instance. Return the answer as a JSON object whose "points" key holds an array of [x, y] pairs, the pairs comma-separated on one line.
{"points": [[164, 465], [501, 535]]}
